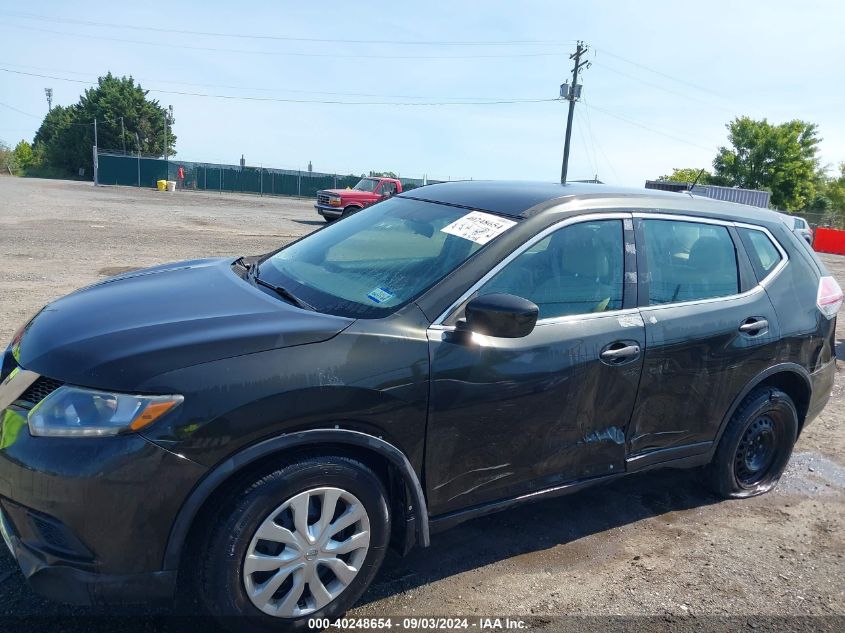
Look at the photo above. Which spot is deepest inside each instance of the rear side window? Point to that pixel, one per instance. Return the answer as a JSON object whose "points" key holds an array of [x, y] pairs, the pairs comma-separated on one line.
{"points": [[763, 254], [689, 261]]}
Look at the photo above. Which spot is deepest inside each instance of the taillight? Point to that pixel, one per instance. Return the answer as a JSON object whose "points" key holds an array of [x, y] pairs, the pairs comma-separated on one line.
{"points": [[829, 298]]}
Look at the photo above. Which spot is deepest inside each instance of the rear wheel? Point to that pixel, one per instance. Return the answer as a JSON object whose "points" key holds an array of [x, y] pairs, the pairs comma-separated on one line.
{"points": [[302, 542], [756, 445]]}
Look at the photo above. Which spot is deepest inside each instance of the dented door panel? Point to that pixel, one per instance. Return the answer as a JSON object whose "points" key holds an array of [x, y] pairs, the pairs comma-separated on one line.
{"points": [[509, 416]]}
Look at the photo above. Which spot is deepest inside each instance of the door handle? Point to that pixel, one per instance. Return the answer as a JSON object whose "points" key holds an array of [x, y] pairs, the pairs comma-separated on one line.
{"points": [[616, 354], [753, 326]]}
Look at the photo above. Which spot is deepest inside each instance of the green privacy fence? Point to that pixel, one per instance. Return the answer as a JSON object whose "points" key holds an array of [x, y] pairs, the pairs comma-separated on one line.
{"points": [[126, 170], [141, 171]]}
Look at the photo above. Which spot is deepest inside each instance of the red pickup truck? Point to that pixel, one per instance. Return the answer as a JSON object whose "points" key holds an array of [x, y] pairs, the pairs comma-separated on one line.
{"points": [[336, 203]]}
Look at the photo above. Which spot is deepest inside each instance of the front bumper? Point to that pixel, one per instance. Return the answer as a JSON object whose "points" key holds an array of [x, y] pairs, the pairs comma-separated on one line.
{"points": [[88, 519], [57, 580], [328, 212]]}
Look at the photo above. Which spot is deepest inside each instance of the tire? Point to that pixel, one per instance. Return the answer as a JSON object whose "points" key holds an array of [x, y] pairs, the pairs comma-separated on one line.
{"points": [[228, 578], [349, 211], [756, 445]]}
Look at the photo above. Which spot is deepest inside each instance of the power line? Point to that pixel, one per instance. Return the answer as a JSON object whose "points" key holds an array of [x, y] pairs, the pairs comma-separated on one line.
{"points": [[697, 99], [262, 88], [312, 101], [646, 127], [658, 72], [357, 94], [284, 38], [6, 105], [36, 116], [279, 53], [596, 142], [590, 158]]}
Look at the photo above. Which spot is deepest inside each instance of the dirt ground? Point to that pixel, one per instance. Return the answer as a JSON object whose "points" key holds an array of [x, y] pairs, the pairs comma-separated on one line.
{"points": [[654, 544]]}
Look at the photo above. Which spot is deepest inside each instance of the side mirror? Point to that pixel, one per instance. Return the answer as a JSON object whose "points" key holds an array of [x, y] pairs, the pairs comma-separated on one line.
{"points": [[501, 315]]}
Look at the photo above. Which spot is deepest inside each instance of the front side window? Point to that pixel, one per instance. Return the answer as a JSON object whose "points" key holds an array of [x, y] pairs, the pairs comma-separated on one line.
{"points": [[377, 260], [763, 254], [388, 188], [578, 269], [366, 184], [688, 261]]}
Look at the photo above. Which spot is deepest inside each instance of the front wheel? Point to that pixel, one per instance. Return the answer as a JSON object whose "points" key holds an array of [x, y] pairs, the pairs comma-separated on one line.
{"points": [[302, 542], [756, 445]]}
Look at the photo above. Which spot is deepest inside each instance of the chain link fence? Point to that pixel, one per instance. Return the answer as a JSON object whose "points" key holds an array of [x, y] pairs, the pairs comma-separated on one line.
{"points": [[144, 171], [828, 218]]}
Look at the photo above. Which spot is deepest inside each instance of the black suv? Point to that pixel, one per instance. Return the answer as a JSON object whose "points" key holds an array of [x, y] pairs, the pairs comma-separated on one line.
{"points": [[273, 423]]}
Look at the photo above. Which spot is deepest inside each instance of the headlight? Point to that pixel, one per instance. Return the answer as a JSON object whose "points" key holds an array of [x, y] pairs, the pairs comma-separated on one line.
{"points": [[77, 412], [335, 202]]}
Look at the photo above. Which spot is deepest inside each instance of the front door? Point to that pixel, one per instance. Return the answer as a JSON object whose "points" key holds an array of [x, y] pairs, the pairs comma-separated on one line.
{"points": [[508, 416]]}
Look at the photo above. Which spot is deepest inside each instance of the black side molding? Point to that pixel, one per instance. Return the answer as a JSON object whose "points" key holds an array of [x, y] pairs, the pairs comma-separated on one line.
{"points": [[222, 471]]}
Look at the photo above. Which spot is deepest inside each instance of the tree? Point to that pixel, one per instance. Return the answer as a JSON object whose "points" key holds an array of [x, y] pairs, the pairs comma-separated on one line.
{"points": [[688, 174], [67, 133], [382, 174], [834, 191], [6, 159], [780, 158], [23, 156], [58, 118]]}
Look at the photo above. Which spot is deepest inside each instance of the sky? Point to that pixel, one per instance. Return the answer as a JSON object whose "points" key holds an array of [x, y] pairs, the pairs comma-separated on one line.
{"points": [[665, 79]]}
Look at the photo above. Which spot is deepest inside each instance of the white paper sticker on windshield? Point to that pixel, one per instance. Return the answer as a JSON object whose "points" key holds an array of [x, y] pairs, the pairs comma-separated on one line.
{"points": [[478, 227]]}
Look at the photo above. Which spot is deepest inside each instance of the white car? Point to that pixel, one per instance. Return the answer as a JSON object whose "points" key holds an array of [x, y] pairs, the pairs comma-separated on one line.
{"points": [[799, 226]]}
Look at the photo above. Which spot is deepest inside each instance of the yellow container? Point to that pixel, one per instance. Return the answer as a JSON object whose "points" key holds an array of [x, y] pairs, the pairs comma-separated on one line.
{"points": [[161, 185]]}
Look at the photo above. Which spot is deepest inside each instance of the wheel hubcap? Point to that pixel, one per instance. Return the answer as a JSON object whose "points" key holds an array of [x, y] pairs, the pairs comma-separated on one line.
{"points": [[306, 552], [756, 451]]}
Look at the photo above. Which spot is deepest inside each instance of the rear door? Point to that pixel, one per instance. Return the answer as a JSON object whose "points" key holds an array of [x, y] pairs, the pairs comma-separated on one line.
{"points": [[709, 329], [509, 416]]}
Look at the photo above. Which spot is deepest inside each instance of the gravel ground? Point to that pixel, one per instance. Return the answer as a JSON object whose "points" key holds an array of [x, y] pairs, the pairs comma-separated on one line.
{"points": [[654, 544]]}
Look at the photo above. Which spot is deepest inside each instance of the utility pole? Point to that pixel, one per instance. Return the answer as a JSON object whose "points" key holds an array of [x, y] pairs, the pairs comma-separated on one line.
{"points": [[165, 136], [49, 93], [138, 145], [123, 135], [571, 93], [95, 152]]}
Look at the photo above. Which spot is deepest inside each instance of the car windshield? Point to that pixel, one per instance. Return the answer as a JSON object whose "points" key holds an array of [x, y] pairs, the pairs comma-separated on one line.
{"points": [[370, 264], [366, 184]]}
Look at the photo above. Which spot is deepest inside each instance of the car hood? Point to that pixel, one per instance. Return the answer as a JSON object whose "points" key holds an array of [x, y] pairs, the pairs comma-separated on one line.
{"points": [[120, 332], [349, 193]]}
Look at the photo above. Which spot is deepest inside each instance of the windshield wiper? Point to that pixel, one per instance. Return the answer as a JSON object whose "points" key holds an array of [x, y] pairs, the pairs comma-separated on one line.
{"points": [[254, 271]]}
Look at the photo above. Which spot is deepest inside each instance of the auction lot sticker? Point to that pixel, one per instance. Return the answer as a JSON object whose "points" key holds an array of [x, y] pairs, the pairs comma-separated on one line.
{"points": [[478, 227]]}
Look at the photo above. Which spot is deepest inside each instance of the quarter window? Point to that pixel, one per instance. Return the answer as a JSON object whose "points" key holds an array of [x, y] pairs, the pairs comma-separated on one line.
{"points": [[763, 254], [688, 261], [578, 269]]}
